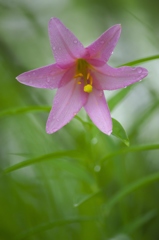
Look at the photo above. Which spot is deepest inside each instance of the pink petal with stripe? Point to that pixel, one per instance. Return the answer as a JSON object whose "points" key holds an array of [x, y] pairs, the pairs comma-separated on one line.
{"points": [[108, 78], [103, 47], [65, 46], [45, 77], [67, 103], [97, 109]]}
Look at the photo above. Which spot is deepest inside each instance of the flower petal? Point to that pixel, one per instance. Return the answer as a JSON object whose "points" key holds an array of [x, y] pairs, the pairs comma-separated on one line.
{"points": [[67, 102], [103, 47], [65, 46], [108, 78], [95, 62], [98, 111], [68, 76], [44, 77]]}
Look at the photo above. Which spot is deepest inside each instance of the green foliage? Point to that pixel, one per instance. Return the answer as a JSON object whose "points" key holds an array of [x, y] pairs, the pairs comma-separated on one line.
{"points": [[78, 183]]}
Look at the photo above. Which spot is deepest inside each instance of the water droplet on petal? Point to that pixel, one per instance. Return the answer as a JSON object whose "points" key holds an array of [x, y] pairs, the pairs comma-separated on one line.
{"points": [[54, 130], [112, 53], [139, 70], [101, 41], [75, 114], [54, 48], [75, 41]]}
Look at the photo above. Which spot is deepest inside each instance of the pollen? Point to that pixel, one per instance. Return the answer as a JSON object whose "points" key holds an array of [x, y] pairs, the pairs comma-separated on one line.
{"points": [[88, 88]]}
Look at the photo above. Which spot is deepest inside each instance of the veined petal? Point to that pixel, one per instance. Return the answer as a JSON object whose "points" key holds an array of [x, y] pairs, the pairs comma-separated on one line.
{"points": [[67, 102], [98, 111], [44, 77], [103, 47], [68, 76], [65, 46], [108, 78]]}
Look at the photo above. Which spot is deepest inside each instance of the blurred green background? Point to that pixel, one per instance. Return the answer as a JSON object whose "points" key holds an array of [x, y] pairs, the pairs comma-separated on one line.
{"points": [[78, 184]]}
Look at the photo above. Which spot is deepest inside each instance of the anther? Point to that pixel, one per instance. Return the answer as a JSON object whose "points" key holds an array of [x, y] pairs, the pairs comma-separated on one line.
{"points": [[78, 75]]}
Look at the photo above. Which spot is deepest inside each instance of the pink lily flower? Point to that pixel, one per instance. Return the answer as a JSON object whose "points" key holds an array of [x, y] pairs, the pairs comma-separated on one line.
{"points": [[81, 74]]}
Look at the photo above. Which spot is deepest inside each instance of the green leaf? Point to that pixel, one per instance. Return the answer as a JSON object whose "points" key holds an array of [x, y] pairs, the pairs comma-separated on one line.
{"points": [[119, 132]]}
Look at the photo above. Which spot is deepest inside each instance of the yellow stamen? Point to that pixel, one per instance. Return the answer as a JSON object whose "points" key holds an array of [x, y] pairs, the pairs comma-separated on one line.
{"points": [[88, 76], [78, 75], [82, 72], [88, 88]]}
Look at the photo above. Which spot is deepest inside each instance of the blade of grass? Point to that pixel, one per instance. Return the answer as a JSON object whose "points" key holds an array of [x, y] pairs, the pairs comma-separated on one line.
{"points": [[118, 97], [128, 189], [15, 111], [47, 226], [46, 157], [86, 198], [141, 60], [131, 149], [139, 222]]}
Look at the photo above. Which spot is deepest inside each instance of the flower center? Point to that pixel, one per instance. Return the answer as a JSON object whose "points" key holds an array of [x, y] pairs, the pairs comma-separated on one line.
{"points": [[82, 72]]}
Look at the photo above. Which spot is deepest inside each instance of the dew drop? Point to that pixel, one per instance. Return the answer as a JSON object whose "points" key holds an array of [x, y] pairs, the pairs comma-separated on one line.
{"points": [[75, 114], [53, 130], [75, 204], [97, 168], [139, 70], [94, 140], [54, 48], [101, 41], [75, 41], [112, 53]]}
